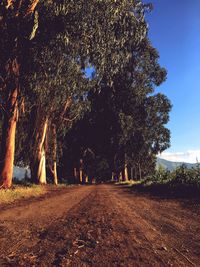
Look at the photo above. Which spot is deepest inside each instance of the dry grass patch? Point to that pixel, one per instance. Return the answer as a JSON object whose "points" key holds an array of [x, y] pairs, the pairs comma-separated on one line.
{"points": [[19, 192], [128, 183]]}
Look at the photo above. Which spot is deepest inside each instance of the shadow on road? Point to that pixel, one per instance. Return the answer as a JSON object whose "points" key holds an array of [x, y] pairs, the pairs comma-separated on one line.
{"points": [[187, 196]]}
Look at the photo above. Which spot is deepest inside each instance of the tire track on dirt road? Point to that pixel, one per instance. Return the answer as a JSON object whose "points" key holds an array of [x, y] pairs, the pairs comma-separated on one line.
{"points": [[21, 225], [161, 229], [101, 226]]}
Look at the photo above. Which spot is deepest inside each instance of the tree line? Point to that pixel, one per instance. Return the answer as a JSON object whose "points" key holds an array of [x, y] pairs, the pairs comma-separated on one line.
{"points": [[54, 113]]}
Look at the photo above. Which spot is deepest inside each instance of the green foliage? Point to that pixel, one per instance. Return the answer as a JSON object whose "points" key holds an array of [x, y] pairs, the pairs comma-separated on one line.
{"points": [[69, 37], [54, 45], [182, 176], [126, 123], [160, 176], [186, 176]]}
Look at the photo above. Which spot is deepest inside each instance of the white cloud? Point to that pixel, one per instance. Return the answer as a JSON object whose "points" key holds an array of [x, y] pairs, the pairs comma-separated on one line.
{"points": [[190, 156]]}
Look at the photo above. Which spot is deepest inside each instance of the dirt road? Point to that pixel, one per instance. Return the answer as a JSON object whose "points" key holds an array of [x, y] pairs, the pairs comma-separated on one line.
{"points": [[103, 225]]}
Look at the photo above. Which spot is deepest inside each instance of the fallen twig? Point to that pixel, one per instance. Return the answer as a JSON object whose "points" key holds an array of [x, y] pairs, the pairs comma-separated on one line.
{"points": [[185, 257]]}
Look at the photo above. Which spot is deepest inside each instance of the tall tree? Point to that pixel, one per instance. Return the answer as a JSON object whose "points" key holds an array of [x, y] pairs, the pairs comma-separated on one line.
{"points": [[17, 21], [126, 124], [88, 45], [68, 24], [57, 89]]}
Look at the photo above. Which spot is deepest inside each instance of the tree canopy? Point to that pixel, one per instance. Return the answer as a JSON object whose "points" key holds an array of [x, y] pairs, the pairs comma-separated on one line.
{"points": [[114, 116]]}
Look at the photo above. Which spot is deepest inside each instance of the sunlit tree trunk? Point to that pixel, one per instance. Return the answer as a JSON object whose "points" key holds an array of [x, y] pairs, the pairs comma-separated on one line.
{"points": [[86, 179], [38, 164], [9, 123], [55, 176], [113, 176], [12, 11], [125, 173], [125, 170], [81, 171], [81, 175]]}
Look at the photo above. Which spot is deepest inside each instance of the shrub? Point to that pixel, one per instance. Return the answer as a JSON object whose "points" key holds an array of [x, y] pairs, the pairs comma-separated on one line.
{"points": [[181, 176]]}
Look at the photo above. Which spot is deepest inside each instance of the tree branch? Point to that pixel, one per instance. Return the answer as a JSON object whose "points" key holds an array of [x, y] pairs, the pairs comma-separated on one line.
{"points": [[70, 120]]}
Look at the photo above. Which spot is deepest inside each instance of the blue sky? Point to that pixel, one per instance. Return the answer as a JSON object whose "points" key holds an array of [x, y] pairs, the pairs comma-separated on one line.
{"points": [[174, 27]]}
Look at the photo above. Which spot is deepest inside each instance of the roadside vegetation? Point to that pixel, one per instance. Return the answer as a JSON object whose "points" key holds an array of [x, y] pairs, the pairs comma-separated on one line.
{"points": [[182, 181], [181, 175], [21, 192], [24, 189]]}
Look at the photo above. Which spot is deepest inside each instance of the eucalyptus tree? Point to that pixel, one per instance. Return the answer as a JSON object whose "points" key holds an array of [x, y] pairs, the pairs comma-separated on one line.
{"points": [[58, 87], [127, 121], [142, 127], [86, 45], [93, 32], [16, 29], [60, 124], [145, 114], [152, 137]]}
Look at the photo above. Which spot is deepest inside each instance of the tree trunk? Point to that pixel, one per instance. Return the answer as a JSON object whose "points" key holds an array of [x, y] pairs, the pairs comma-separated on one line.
{"points": [[10, 79], [75, 175], [140, 171], [125, 178], [55, 176], [136, 173], [9, 123], [81, 175], [81, 171], [38, 164], [113, 177], [120, 177], [86, 179], [132, 177]]}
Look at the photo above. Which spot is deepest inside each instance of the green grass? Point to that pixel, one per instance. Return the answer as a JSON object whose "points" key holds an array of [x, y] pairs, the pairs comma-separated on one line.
{"points": [[20, 192]]}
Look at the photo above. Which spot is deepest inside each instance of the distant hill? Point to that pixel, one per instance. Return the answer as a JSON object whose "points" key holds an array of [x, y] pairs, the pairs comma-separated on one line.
{"points": [[169, 165]]}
